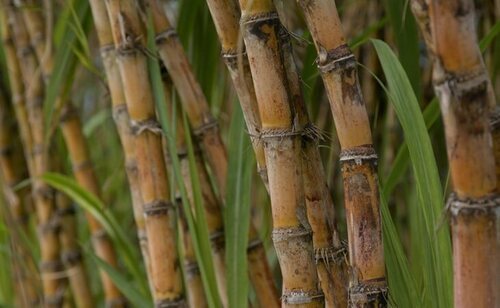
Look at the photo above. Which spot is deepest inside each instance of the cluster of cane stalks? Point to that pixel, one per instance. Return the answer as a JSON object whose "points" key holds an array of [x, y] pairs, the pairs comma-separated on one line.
{"points": [[318, 268]]}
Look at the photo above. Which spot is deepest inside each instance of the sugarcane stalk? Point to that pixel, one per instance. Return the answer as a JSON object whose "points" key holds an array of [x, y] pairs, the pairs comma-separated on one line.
{"points": [[85, 175], [194, 285], [122, 120], [203, 123], [179, 69], [43, 195], [71, 253], [462, 84], [16, 82], [211, 204], [13, 171], [79, 155], [329, 252], [129, 39], [226, 15], [337, 65], [281, 138]]}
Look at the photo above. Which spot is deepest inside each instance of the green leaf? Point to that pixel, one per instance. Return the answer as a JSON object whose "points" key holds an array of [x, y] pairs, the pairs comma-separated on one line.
{"points": [[403, 291], [238, 211], [122, 282], [95, 207], [437, 276]]}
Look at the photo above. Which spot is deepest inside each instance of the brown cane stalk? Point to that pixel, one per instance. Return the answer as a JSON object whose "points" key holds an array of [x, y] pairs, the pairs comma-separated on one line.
{"points": [[84, 173], [211, 204], [193, 100], [282, 145], [13, 170], [337, 65], [122, 120], [43, 195], [462, 84], [225, 16], [175, 60], [79, 155], [129, 39]]}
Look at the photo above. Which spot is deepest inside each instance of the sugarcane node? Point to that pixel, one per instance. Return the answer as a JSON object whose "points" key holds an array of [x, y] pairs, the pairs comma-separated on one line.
{"points": [[6, 151], [254, 24], [210, 124], [368, 294], [166, 35], [302, 297], [51, 266], [158, 207], [105, 50], [87, 164], [66, 211], [45, 192], [191, 268], [284, 234], [167, 303], [119, 302], [68, 113], [466, 87], [253, 244], [359, 155], [217, 239], [473, 207], [278, 133], [24, 51], [232, 57], [336, 59], [150, 125], [71, 257]]}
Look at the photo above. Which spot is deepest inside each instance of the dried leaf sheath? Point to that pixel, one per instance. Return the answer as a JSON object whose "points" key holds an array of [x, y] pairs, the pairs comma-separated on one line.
{"points": [[464, 90], [158, 209], [358, 158], [171, 50], [282, 145]]}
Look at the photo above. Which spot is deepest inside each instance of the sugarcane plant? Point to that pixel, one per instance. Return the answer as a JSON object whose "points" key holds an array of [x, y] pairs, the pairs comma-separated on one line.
{"points": [[114, 121], [337, 65], [462, 84]]}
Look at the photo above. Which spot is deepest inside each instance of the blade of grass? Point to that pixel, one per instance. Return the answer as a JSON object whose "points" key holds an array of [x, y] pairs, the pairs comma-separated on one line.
{"points": [[123, 283], [431, 115], [95, 207], [65, 60], [437, 259], [238, 211], [402, 286]]}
